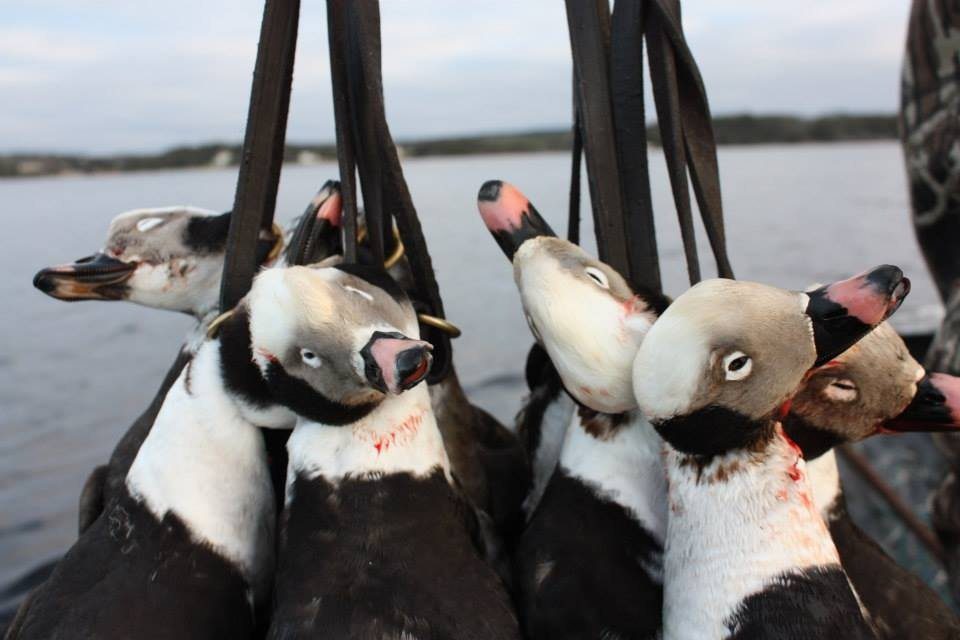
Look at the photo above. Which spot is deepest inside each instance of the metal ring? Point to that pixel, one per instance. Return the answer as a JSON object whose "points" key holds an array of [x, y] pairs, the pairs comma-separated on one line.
{"points": [[216, 322], [439, 323], [277, 244], [398, 250]]}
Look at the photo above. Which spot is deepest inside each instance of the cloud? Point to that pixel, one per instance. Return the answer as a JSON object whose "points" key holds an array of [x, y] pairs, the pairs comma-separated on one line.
{"points": [[116, 76]]}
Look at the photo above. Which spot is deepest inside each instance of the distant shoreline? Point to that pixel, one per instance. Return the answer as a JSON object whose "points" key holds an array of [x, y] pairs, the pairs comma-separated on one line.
{"points": [[735, 129]]}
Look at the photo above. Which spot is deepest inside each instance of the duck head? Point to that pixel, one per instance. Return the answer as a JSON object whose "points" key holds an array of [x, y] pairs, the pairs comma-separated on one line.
{"points": [[582, 311], [166, 258], [874, 387], [716, 370], [333, 342]]}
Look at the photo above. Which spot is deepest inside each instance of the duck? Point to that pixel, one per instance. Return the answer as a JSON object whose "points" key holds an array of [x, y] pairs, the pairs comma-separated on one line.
{"points": [[589, 562], [188, 548], [875, 387], [487, 458], [376, 539], [747, 553], [168, 258]]}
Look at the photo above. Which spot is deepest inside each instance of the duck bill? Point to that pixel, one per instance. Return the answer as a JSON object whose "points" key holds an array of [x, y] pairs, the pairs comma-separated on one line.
{"points": [[845, 311], [509, 216], [394, 363], [935, 407], [317, 235], [96, 277]]}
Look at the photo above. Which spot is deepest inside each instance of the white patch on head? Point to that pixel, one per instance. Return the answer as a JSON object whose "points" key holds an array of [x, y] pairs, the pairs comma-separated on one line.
{"points": [[149, 223], [553, 431], [737, 365], [920, 373], [362, 294], [206, 463], [841, 390], [625, 468], [669, 367], [399, 436]]}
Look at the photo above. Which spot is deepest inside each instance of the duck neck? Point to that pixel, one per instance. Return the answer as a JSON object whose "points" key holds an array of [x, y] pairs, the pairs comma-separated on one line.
{"points": [[825, 484], [399, 436], [620, 457], [738, 520], [204, 462]]}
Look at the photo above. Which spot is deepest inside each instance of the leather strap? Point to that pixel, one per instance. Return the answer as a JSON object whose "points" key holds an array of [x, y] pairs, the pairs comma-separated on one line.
{"points": [[361, 119], [626, 80], [262, 154], [686, 131]]}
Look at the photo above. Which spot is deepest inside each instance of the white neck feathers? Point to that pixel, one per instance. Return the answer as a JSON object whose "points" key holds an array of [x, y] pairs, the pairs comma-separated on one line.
{"points": [[399, 436], [204, 462], [625, 467], [735, 525], [825, 483]]}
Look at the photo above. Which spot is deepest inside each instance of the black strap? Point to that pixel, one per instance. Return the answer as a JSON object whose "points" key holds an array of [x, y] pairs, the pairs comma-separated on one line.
{"points": [[685, 125], [701, 145], [262, 154], [573, 214], [361, 115], [626, 80], [589, 25]]}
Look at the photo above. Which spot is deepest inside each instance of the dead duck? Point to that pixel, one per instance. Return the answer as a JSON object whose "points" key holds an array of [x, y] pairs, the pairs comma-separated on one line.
{"points": [[747, 553], [589, 562], [167, 258], [873, 388], [187, 549], [376, 539], [487, 459]]}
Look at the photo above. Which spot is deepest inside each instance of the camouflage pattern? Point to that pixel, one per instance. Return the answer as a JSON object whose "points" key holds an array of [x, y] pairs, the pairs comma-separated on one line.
{"points": [[930, 132]]}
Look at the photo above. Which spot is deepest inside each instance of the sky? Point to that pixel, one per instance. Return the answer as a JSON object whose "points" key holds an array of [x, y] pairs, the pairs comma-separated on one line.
{"points": [[108, 76]]}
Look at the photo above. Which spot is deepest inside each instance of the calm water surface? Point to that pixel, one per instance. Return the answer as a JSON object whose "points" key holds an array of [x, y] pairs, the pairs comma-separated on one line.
{"points": [[73, 376]]}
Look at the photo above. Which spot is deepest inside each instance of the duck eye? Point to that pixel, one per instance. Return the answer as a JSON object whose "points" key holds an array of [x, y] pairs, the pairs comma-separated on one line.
{"points": [[737, 365], [148, 223], [310, 358], [597, 276], [841, 390]]}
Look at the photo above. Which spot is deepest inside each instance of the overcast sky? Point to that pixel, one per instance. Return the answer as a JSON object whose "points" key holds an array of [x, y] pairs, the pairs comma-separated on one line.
{"points": [[100, 76]]}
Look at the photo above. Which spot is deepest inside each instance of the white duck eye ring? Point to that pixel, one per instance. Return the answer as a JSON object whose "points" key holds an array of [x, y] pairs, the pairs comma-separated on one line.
{"points": [[737, 365], [841, 390], [597, 276], [310, 358]]}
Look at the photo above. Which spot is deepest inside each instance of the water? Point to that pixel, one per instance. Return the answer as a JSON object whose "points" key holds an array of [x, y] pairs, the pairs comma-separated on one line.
{"points": [[74, 376]]}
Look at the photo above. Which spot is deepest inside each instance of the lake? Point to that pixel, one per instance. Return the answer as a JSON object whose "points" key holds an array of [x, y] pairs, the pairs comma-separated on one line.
{"points": [[74, 376]]}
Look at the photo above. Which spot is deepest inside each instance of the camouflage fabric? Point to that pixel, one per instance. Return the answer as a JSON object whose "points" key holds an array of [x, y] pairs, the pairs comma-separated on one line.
{"points": [[930, 132]]}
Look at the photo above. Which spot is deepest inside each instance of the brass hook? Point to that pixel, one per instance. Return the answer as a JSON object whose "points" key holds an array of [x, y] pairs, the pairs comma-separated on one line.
{"points": [[439, 323], [398, 250], [216, 322], [277, 244]]}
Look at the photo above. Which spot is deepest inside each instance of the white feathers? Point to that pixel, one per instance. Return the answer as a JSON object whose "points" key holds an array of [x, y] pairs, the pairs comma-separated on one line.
{"points": [[205, 462], [727, 540], [400, 435], [146, 224], [553, 431], [668, 370], [362, 294], [824, 482], [625, 467]]}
